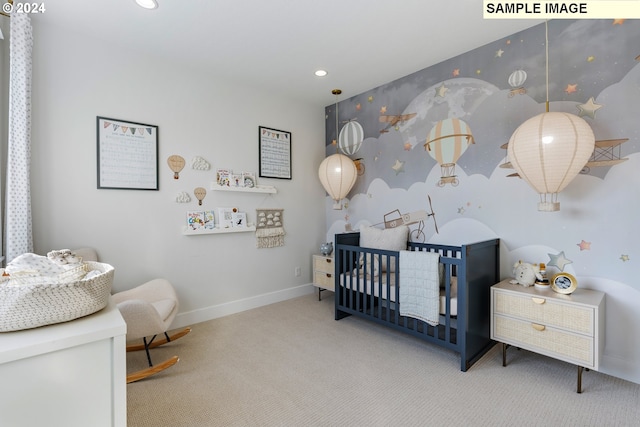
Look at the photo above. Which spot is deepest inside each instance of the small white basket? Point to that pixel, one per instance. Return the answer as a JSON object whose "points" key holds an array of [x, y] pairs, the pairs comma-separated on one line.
{"points": [[33, 305]]}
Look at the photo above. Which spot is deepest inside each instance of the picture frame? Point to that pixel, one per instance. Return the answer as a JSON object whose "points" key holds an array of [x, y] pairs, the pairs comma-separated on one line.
{"points": [[239, 220], [127, 155], [564, 283], [274, 153]]}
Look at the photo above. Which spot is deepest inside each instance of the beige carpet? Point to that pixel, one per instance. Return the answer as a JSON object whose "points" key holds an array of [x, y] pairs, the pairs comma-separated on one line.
{"points": [[292, 364]]}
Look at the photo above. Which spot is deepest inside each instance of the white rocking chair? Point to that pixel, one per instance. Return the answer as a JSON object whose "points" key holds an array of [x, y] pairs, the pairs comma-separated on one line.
{"points": [[148, 310]]}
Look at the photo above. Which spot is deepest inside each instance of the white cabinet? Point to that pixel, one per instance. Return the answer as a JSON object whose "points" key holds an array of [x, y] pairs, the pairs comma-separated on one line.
{"points": [[68, 374], [565, 327]]}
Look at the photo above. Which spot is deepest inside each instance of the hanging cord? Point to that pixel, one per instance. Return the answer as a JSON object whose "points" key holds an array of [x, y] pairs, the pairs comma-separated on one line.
{"points": [[336, 92], [546, 46]]}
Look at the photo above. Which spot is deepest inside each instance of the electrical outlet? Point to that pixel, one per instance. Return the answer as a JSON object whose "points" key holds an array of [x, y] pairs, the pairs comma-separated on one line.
{"points": [[297, 271]]}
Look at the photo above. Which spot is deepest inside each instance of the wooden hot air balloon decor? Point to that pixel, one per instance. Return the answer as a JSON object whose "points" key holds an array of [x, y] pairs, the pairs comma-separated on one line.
{"points": [[200, 194], [176, 163]]}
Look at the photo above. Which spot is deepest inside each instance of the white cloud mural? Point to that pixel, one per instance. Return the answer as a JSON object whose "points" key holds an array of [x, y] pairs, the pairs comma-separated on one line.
{"points": [[593, 236]]}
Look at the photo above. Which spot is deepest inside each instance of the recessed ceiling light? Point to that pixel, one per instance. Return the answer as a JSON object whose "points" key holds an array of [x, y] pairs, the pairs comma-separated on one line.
{"points": [[321, 73], [147, 4]]}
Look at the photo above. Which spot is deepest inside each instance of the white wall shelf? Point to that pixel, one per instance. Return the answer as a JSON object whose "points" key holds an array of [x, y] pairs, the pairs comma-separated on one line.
{"points": [[187, 232], [256, 189]]}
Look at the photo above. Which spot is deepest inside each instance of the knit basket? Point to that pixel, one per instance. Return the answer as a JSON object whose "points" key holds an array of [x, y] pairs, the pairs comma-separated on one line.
{"points": [[33, 305]]}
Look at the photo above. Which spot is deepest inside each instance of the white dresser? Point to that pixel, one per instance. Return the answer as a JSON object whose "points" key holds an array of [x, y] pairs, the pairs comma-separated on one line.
{"points": [[565, 327], [323, 273], [68, 374]]}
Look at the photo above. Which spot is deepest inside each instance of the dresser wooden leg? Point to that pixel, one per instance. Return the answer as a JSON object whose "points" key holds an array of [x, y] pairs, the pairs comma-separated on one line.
{"points": [[580, 369], [504, 354]]}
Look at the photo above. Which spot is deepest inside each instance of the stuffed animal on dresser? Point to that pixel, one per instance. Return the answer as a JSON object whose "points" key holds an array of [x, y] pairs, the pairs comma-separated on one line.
{"points": [[526, 274]]}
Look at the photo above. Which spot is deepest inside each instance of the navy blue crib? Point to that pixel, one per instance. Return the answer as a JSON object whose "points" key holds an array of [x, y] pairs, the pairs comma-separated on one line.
{"points": [[363, 289]]}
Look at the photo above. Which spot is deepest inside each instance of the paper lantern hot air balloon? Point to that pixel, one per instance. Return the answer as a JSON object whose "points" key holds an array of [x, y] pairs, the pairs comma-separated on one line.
{"points": [[548, 151], [337, 174], [446, 142], [350, 138]]}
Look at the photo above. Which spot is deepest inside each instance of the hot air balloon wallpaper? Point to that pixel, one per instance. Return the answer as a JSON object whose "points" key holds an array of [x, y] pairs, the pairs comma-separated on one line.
{"points": [[516, 81], [446, 142]]}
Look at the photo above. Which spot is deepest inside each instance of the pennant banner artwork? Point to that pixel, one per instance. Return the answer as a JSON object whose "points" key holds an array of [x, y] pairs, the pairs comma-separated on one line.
{"points": [[269, 228], [124, 129], [127, 155]]}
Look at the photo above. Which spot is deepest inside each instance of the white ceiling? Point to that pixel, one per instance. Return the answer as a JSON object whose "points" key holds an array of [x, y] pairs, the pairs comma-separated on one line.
{"points": [[278, 44]]}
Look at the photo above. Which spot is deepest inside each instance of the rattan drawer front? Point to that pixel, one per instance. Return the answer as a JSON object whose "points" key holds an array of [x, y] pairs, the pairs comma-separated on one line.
{"points": [[550, 341], [324, 280], [546, 311], [323, 264]]}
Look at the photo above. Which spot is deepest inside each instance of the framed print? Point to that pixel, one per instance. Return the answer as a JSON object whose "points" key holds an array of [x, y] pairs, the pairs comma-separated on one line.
{"points": [[275, 153], [127, 155], [564, 283], [239, 219]]}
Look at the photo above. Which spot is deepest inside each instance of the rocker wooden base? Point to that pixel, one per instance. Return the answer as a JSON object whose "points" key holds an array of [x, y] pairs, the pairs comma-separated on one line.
{"points": [[139, 375], [147, 345], [154, 344]]}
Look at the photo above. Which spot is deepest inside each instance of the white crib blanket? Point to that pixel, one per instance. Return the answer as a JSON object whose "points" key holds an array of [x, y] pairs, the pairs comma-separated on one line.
{"points": [[420, 289]]}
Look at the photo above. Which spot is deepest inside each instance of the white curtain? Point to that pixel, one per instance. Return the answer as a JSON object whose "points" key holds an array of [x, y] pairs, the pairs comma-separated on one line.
{"points": [[18, 236]]}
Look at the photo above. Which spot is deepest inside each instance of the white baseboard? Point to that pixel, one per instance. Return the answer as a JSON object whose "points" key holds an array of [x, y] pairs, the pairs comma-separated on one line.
{"points": [[619, 368], [215, 311]]}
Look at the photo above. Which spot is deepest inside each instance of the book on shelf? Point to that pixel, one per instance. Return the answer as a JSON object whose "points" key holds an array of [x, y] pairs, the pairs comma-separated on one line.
{"points": [[209, 220], [225, 217], [249, 179], [236, 180], [200, 220], [223, 176]]}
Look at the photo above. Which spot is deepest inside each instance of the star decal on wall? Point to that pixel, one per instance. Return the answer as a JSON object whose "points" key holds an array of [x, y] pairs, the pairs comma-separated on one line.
{"points": [[456, 72], [370, 99], [461, 210], [571, 88], [499, 53], [584, 246], [589, 108], [618, 21], [383, 109], [558, 260], [624, 258], [442, 91], [358, 106], [591, 58], [407, 146], [398, 167]]}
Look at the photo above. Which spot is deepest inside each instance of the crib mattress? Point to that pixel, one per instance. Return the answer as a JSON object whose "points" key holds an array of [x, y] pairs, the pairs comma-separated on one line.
{"points": [[367, 285]]}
